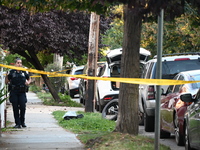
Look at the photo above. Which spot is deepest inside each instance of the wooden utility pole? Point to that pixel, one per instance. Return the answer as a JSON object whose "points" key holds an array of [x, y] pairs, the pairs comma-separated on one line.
{"points": [[92, 61]]}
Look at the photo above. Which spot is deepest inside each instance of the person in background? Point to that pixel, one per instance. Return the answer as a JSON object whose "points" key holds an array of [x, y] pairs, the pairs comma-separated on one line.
{"points": [[18, 82]]}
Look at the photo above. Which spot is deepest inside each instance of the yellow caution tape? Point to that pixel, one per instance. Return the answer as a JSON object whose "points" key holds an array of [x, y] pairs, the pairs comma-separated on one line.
{"points": [[62, 70], [123, 80]]}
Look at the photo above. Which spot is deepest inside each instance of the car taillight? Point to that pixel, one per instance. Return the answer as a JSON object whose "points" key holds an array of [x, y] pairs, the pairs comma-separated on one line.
{"points": [[72, 78], [179, 59], [108, 98], [151, 93]]}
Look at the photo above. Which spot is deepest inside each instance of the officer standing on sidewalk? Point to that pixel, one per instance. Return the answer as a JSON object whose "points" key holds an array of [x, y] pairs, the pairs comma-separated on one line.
{"points": [[18, 82]]}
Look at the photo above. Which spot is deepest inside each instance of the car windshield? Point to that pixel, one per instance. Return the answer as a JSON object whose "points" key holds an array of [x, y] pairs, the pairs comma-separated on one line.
{"points": [[78, 72], [171, 68], [195, 78]]}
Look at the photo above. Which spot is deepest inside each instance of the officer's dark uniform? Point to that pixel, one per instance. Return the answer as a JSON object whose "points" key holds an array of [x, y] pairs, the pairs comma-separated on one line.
{"points": [[17, 97]]}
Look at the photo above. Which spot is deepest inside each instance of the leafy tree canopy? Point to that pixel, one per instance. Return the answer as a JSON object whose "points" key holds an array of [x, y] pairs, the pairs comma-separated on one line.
{"points": [[147, 7], [65, 33]]}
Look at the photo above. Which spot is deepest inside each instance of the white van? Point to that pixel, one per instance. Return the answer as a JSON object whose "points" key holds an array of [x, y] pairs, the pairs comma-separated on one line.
{"points": [[108, 90]]}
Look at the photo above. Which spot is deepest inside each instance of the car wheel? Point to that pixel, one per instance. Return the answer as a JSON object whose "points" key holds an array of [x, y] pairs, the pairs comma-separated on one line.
{"points": [[70, 93], [96, 106], [187, 140], [178, 137], [141, 118], [67, 90], [110, 111], [99, 106], [148, 123], [80, 98], [164, 134]]}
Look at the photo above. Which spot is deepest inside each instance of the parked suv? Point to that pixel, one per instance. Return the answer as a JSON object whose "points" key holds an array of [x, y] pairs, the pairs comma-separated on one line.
{"points": [[72, 83], [171, 65], [108, 90]]}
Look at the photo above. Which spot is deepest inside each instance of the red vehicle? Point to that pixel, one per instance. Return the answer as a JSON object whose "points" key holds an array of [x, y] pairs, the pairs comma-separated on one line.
{"points": [[173, 108]]}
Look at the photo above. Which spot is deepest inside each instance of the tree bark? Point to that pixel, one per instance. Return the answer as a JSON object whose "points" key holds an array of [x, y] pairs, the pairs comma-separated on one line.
{"points": [[92, 61], [129, 93], [33, 59]]}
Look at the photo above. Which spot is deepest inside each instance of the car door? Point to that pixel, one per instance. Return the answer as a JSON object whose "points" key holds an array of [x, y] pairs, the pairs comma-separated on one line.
{"points": [[166, 109], [167, 106], [194, 124]]}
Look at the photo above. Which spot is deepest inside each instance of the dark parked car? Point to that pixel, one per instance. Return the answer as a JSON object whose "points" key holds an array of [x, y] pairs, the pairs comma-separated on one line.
{"points": [[83, 83], [173, 109], [192, 121]]}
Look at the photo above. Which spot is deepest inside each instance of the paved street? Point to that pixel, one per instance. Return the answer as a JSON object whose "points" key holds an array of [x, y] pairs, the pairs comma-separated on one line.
{"points": [[168, 141]]}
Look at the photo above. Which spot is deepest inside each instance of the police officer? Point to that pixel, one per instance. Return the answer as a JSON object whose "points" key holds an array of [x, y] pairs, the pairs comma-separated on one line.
{"points": [[18, 81]]}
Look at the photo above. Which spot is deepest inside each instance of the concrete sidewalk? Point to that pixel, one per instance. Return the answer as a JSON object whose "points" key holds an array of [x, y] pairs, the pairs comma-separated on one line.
{"points": [[42, 131]]}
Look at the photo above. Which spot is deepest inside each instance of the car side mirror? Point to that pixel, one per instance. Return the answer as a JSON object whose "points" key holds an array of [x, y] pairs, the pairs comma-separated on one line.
{"points": [[68, 71], [163, 92], [187, 97]]}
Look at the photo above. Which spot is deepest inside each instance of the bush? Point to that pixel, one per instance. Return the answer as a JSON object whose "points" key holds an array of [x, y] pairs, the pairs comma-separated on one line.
{"points": [[35, 88], [65, 100], [57, 82]]}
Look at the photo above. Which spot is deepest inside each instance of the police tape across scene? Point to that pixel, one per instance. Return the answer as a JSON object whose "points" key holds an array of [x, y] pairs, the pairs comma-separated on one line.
{"points": [[123, 80]]}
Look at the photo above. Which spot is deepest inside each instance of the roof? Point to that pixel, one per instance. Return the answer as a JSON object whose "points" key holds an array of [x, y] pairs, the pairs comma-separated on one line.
{"points": [[172, 58]]}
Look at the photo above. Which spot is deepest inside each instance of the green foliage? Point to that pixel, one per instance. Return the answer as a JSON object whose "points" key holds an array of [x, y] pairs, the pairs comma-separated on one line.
{"points": [[3, 94], [43, 5], [35, 88], [10, 58], [76, 61], [45, 58], [58, 82], [90, 123], [65, 100], [97, 133], [179, 36], [44, 96], [114, 36]]}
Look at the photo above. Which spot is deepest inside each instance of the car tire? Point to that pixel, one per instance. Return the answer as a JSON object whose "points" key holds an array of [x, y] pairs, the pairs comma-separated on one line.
{"points": [[141, 118], [178, 137], [81, 100], [110, 111], [98, 106], [148, 123], [71, 95], [187, 140], [164, 134]]}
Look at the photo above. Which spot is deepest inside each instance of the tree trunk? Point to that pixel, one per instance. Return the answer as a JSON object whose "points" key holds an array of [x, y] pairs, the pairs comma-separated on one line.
{"points": [[129, 93], [33, 59]]}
